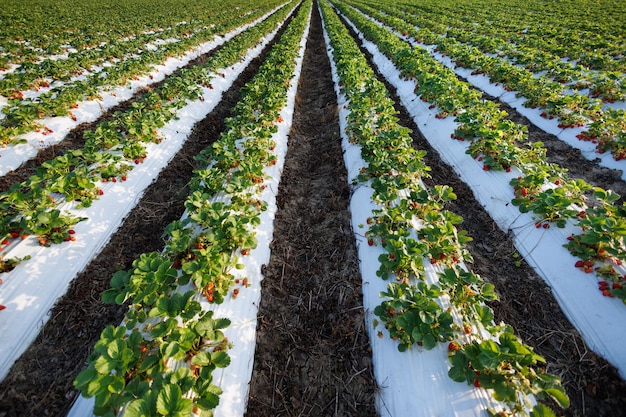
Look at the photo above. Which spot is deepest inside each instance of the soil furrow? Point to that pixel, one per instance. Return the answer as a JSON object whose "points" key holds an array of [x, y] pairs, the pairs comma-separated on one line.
{"points": [[40, 382], [312, 355], [526, 301], [560, 152], [75, 140]]}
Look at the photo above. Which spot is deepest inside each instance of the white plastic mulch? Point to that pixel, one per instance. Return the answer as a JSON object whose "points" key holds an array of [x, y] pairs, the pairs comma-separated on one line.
{"points": [[32, 288], [600, 320], [416, 382], [11, 157], [242, 311], [482, 82]]}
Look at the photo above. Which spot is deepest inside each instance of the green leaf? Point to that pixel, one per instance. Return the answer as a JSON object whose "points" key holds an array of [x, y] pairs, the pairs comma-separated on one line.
{"points": [[541, 410], [104, 365], [429, 341], [85, 378], [590, 238], [142, 407], [170, 402], [201, 359], [220, 359], [558, 395]]}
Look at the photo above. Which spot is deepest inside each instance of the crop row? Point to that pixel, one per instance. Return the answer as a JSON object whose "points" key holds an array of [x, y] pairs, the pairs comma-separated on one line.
{"points": [[28, 291], [111, 150], [585, 33], [542, 247], [605, 126], [435, 298], [35, 31], [24, 115], [171, 344], [541, 188]]}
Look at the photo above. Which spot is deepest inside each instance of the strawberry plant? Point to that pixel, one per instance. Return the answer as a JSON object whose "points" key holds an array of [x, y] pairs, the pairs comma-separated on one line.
{"points": [[413, 317], [134, 371], [508, 367]]}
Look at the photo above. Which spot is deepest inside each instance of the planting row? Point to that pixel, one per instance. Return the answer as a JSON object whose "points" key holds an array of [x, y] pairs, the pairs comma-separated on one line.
{"points": [[582, 32], [24, 114], [112, 148], [163, 359], [30, 289], [542, 247], [49, 31], [606, 85], [605, 126], [500, 144], [433, 301]]}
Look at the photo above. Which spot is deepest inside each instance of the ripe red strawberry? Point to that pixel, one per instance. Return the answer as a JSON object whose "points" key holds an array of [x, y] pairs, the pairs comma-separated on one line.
{"points": [[477, 383], [236, 291], [244, 252], [453, 346], [370, 242], [101, 191], [579, 264]]}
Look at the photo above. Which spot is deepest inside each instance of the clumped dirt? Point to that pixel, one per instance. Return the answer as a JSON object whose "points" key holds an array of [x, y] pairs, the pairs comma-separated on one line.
{"points": [[312, 356]]}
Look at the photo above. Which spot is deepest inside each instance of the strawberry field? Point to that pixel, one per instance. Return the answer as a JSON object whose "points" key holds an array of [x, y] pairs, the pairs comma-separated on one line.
{"points": [[312, 208]]}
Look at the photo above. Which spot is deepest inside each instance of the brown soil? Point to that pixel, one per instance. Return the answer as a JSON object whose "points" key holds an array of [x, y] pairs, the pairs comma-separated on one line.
{"points": [[312, 356]]}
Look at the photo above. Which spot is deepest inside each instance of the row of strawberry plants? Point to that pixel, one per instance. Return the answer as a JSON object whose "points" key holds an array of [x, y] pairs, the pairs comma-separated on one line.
{"points": [[22, 115], [30, 207], [59, 264], [32, 31], [33, 75], [415, 231], [606, 85], [560, 29], [606, 127], [167, 324], [500, 144]]}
